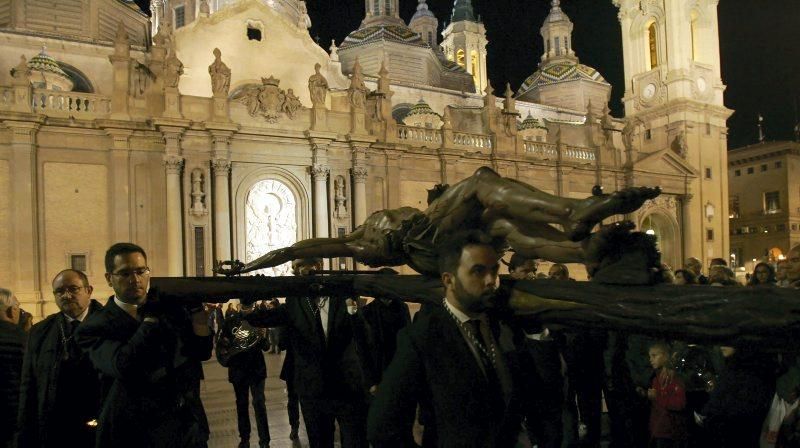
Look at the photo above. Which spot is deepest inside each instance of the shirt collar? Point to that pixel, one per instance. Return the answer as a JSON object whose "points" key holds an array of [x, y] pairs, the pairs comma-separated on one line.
{"points": [[130, 308], [463, 318], [80, 318]]}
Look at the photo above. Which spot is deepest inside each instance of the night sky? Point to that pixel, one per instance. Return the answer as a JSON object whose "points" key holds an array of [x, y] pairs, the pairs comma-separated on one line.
{"points": [[759, 45]]}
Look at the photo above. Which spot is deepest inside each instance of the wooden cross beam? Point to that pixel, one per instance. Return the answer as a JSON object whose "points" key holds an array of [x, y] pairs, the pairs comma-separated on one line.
{"points": [[768, 316]]}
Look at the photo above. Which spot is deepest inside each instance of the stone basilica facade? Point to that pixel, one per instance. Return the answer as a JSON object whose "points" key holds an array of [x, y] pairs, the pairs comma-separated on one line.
{"points": [[219, 129]]}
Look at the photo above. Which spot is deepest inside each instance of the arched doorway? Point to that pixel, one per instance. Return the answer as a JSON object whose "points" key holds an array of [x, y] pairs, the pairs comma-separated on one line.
{"points": [[270, 222], [664, 229]]}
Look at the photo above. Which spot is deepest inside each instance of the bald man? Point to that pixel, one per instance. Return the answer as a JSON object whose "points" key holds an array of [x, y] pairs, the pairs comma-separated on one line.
{"points": [[60, 393]]}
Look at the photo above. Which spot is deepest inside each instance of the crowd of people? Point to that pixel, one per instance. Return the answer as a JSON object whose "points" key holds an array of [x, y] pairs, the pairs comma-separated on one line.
{"points": [[462, 372]]}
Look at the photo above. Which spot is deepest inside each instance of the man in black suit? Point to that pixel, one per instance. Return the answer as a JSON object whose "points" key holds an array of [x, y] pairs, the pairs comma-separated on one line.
{"points": [[327, 366], [247, 371], [460, 358], [384, 319], [151, 352], [60, 395]]}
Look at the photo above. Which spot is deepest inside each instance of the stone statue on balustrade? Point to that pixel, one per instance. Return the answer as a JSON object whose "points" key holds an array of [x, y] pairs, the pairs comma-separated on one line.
{"points": [[21, 73], [357, 93], [318, 87], [533, 223], [220, 76], [173, 69]]}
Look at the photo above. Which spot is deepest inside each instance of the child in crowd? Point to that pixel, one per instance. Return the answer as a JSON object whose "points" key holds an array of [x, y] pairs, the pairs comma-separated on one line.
{"points": [[668, 422]]}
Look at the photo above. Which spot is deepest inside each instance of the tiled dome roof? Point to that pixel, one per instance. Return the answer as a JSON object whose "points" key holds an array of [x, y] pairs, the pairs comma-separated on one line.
{"points": [[530, 123], [560, 71], [43, 62], [395, 33], [421, 108]]}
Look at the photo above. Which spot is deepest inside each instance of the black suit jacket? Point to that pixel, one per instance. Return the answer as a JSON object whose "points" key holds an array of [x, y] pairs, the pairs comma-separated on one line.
{"points": [[333, 368], [40, 379], [155, 371], [434, 366]]}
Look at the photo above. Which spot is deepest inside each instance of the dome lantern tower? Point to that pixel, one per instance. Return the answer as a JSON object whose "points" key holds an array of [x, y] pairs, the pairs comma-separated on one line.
{"points": [[464, 42]]}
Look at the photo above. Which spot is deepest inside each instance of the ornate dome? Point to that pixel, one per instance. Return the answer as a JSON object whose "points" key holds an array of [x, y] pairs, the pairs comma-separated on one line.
{"points": [[530, 123], [43, 62], [560, 71], [394, 33], [422, 11], [421, 108], [46, 73]]}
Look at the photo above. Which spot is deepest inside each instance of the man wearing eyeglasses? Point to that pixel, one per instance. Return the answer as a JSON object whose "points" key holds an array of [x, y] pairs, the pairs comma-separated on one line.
{"points": [[151, 353], [60, 392]]}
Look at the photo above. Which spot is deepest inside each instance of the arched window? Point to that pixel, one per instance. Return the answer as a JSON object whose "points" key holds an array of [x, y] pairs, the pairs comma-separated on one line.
{"points": [[460, 58], [558, 46], [652, 45], [375, 7], [387, 6], [566, 43]]}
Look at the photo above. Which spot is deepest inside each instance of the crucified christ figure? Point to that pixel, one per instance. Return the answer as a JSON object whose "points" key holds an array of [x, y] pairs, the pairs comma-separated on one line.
{"points": [[535, 224]]}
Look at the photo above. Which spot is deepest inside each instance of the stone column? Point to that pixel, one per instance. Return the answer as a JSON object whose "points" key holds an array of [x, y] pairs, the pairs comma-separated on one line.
{"points": [[119, 184], [222, 214], [691, 228], [121, 62], [393, 167], [24, 256], [320, 175], [359, 195], [174, 165]]}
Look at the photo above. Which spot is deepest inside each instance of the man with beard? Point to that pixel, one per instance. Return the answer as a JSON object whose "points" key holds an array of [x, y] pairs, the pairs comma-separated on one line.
{"points": [[459, 359], [60, 395], [152, 354]]}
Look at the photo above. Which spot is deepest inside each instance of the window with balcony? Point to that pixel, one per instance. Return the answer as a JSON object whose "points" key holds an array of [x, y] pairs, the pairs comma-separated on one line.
{"points": [[772, 202], [733, 206]]}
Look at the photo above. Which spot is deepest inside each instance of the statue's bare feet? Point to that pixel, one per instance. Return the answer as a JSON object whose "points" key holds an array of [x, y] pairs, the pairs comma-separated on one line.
{"points": [[597, 208], [228, 268]]}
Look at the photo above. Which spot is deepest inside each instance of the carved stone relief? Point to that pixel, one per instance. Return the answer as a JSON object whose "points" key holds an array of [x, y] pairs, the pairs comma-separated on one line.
{"points": [[270, 222], [268, 100]]}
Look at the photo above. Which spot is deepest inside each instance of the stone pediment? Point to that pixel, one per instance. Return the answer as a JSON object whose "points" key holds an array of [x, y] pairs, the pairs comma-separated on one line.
{"points": [[666, 162]]}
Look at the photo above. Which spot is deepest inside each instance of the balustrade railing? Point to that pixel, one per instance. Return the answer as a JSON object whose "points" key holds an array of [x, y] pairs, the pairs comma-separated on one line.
{"points": [[472, 140], [550, 151], [415, 134], [541, 150], [53, 102], [580, 154]]}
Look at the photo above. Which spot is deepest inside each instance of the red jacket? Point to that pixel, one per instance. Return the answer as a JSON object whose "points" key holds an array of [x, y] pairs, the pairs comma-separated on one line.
{"points": [[667, 419]]}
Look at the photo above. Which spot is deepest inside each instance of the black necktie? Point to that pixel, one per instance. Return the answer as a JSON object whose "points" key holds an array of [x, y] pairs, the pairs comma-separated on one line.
{"points": [[74, 326]]}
